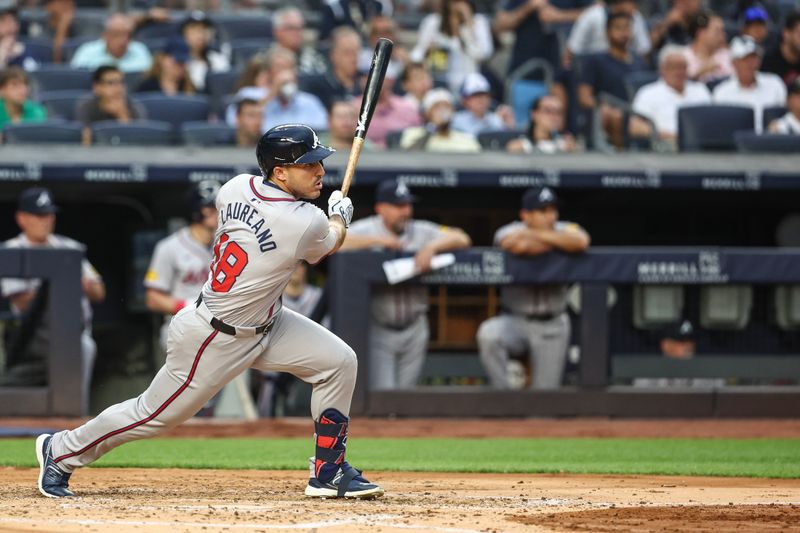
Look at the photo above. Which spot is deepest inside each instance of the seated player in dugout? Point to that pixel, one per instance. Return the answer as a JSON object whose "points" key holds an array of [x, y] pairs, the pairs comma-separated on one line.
{"points": [[534, 318], [399, 325]]}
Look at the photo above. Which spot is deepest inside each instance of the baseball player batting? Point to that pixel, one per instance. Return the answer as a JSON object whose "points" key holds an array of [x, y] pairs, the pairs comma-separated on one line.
{"points": [[265, 230]]}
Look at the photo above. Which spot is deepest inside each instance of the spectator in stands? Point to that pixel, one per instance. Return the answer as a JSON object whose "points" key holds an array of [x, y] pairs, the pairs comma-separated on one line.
{"points": [[168, 74], [416, 81], [392, 112], [477, 116], [196, 31], [755, 24], [355, 14], [342, 121], [708, 56], [785, 59], [288, 25], [588, 35], [249, 116], [398, 339], [659, 101], [789, 124], [605, 73], [114, 48], [530, 21], [12, 51], [15, 106], [534, 318], [286, 103], [342, 80], [255, 73], [60, 25], [437, 135], [36, 217], [110, 101], [748, 86], [454, 42], [383, 27], [546, 133], [674, 28]]}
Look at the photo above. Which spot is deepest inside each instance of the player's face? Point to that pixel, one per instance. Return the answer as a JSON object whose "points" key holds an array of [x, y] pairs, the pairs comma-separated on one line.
{"points": [[395, 216], [36, 227], [544, 218], [210, 217], [302, 180]]}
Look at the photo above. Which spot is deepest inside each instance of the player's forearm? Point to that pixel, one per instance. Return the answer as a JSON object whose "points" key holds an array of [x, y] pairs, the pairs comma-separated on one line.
{"points": [[525, 242], [95, 290], [161, 302], [22, 300], [336, 225], [360, 242], [566, 241], [454, 239]]}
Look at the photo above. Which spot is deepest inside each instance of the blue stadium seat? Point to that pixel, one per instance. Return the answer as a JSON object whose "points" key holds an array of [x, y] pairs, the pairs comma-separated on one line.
{"points": [[768, 114], [40, 49], [393, 140], [158, 30], [132, 80], [522, 91], [63, 104], [49, 132], [243, 50], [175, 109], [711, 127], [748, 141], [207, 134], [236, 27], [136, 133], [218, 86], [497, 140], [155, 44], [61, 78], [72, 44], [636, 80]]}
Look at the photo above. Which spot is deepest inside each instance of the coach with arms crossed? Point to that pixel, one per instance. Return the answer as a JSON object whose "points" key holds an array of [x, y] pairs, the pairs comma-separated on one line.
{"points": [[534, 317]]}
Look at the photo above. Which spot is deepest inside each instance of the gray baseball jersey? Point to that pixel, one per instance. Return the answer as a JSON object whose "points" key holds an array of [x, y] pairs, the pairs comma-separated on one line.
{"points": [[263, 234], [532, 300], [399, 306], [306, 302], [179, 266]]}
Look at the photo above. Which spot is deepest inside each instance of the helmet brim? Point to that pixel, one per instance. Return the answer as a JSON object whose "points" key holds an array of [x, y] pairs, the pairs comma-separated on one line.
{"points": [[317, 154]]}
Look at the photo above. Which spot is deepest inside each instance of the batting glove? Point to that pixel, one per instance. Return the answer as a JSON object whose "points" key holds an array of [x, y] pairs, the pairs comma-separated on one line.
{"points": [[341, 207]]}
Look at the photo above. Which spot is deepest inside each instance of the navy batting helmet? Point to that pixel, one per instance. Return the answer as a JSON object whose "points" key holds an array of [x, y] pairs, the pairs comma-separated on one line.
{"points": [[287, 145]]}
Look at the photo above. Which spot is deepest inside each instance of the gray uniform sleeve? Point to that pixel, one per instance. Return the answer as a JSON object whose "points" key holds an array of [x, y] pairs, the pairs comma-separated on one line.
{"points": [[503, 232], [160, 275], [425, 232], [318, 240]]}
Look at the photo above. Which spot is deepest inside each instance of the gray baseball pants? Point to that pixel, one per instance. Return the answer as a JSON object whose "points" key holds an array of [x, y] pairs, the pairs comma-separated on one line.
{"points": [[397, 356]]}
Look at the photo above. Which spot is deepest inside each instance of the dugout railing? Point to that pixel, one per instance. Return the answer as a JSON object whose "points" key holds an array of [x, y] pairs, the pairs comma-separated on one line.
{"points": [[353, 274]]}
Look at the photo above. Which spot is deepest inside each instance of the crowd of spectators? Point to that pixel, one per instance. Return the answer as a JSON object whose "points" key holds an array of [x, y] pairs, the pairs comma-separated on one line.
{"points": [[564, 75]]}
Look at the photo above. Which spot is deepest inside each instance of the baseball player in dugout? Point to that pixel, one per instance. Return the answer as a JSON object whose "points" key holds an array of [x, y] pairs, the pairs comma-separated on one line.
{"points": [[179, 266], [238, 322], [36, 217], [534, 318], [399, 328]]}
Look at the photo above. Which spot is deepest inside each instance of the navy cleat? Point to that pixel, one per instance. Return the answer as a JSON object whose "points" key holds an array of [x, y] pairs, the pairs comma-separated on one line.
{"points": [[53, 482], [347, 483]]}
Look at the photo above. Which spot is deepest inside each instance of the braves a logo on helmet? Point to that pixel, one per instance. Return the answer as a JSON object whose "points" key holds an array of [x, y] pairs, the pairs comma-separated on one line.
{"points": [[546, 195]]}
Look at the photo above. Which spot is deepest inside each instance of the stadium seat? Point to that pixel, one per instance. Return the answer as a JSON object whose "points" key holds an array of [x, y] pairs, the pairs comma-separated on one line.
{"points": [[175, 109], [726, 306], [748, 141], [243, 50], [61, 78], [393, 140], [522, 91], [155, 44], [132, 81], [497, 140], [219, 85], [49, 132], [711, 127], [636, 80], [769, 114], [157, 30], [137, 132], [237, 27], [40, 49], [207, 134], [655, 306], [70, 45], [787, 306], [63, 104]]}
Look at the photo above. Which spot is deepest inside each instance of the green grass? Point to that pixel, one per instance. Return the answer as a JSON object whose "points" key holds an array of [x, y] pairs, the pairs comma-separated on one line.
{"points": [[694, 457]]}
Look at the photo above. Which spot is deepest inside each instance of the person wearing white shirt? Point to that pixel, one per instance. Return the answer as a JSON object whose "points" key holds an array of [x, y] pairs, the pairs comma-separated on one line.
{"points": [[748, 87], [659, 101], [477, 117], [588, 35], [454, 41], [789, 124]]}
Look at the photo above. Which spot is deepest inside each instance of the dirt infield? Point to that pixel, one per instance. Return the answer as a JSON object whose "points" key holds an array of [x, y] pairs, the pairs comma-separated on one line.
{"points": [[127, 500], [139, 500]]}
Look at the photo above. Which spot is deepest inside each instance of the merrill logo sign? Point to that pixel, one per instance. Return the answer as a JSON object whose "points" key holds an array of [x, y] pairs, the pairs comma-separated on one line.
{"points": [[707, 269], [489, 268]]}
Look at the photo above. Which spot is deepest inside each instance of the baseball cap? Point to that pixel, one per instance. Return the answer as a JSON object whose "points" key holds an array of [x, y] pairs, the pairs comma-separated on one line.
{"points": [[683, 331], [196, 17], [36, 200], [538, 198], [394, 192], [434, 96], [743, 46], [178, 49], [474, 83], [755, 14]]}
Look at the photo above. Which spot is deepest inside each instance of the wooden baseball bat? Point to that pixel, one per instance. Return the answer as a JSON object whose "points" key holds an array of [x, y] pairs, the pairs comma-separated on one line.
{"points": [[377, 71]]}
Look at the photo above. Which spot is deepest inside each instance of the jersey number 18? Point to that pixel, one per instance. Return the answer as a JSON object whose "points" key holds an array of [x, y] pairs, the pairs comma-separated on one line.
{"points": [[227, 266]]}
